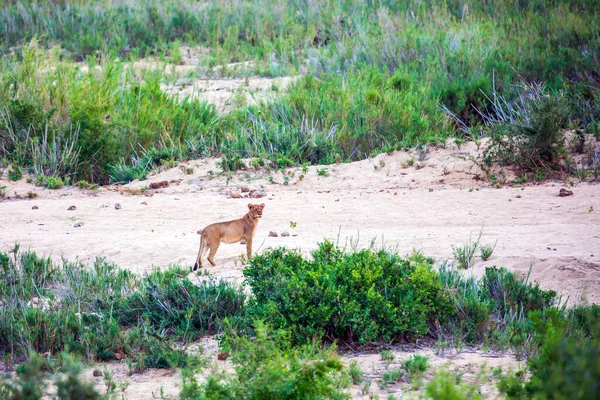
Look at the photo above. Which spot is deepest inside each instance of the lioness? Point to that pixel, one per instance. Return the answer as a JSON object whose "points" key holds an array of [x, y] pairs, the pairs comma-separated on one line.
{"points": [[229, 232]]}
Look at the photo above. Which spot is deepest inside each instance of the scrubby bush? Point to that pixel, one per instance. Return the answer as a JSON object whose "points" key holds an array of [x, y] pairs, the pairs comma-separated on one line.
{"points": [[493, 307], [528, 133], [268, 367], [563, 366], [29, 384], [365, 295]]}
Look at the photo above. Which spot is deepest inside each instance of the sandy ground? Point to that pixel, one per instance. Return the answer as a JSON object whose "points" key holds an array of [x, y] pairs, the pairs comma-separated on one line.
{"points": [[428, 201]]}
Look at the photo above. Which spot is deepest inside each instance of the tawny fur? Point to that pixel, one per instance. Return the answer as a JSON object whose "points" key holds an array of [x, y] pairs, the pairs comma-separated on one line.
{"points": [[229, 232]]}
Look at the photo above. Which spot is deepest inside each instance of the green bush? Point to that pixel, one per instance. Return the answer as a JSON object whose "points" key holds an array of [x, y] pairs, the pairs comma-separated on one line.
{"points": [[365, 295], [29, 381], [564, 366], [268, 367], [529, 134]]}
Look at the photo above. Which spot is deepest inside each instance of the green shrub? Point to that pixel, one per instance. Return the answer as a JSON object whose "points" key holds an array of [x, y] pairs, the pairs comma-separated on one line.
{"points": [[356, 373], [415, 366], [14, 174], [446, 386], [268, 367], [366, 295], [529, 133], [392, 376], [486, 251], [51, 182], [493, 307], [564, 366], [29, 382]]}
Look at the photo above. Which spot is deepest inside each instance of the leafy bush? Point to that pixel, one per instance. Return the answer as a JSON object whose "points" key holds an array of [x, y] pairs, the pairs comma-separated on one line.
{"points": [[564, 366], [446, 386], [366, 295], [486, 251], [268, 367], [15, 174]]}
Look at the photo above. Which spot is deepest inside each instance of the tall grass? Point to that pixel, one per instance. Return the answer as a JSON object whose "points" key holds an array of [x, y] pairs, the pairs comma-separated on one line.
{"points": [[378, 73], [66, 118]]}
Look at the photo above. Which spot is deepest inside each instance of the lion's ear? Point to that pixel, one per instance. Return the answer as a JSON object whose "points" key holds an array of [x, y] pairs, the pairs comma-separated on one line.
{"points": [[262, 205], [250, 206]]}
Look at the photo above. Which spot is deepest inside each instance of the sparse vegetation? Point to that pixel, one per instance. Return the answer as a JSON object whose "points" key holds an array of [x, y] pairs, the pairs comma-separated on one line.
{"points": [[486, 251], [466, 253]]}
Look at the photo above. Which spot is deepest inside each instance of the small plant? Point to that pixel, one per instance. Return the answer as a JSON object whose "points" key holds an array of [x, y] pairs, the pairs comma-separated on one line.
{"points": [[292, 224], [231, 162], [271, 179], [410, 162], [415, 366], [466, 253], [286, 180], [2, 192], [305, 168], [591, 209], [487, 250], [389, 377], [32, 195], [14, 173], [355, 372], [83, 184], [51, 182], [187, 170], [322, 171], [387, 356]]}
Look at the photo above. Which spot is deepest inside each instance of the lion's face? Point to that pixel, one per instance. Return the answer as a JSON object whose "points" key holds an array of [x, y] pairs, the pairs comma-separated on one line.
{"points": [[256, 210]]}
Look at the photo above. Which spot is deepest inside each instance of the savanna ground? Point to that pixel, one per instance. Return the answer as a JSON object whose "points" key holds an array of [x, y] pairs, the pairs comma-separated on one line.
{"points": [[439, 202], [406, 126]]}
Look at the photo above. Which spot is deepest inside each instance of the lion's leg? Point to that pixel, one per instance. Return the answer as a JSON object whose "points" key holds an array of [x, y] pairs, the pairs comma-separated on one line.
{"points": [[213, 250], [201, 253], [249, 247]]}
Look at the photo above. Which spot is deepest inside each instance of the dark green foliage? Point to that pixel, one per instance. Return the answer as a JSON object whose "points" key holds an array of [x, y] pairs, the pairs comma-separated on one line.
{"points": [[564, 366], [104, 313], [365, 295], [268, 367], [231, 162]]}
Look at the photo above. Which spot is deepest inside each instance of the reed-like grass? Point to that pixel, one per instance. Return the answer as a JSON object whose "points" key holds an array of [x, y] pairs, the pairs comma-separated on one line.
{"points": [[378, 74]]}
